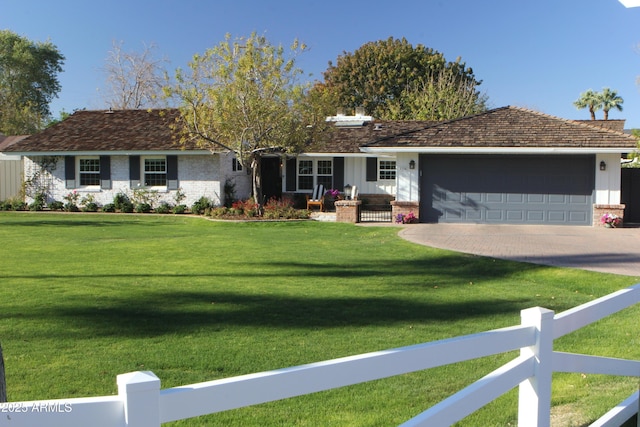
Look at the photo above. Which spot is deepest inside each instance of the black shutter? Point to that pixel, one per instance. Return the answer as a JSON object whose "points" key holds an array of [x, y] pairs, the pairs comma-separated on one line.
{"points": [[291, 174], [338, 173], [105, 172], [70, 171], [134, 171], [372, 168], [172, 172]]}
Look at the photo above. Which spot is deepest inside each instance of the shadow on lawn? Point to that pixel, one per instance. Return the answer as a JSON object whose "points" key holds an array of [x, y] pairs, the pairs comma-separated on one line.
{"points": [[177, 312], [414, 294]]}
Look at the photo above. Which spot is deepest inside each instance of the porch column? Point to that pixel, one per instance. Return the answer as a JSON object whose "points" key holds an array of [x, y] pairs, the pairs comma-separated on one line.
{"points": [[348, 211]]}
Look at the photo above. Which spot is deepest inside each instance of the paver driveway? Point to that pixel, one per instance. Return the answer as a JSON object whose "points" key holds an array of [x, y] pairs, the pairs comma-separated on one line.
{"points": [[601, 249]]}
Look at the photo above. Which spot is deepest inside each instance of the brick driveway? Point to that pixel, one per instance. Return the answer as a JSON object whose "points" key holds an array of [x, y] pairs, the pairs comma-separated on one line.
{"points": [[589, 248]]}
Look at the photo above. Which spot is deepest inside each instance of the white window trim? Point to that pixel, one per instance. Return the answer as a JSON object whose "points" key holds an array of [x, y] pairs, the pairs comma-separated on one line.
{"points": [[314, 162], [395, 170], [78, 173], [143, 172]]}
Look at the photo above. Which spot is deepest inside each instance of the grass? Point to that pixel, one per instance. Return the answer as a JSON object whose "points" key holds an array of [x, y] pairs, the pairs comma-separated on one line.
{"points": [[85, 297]]}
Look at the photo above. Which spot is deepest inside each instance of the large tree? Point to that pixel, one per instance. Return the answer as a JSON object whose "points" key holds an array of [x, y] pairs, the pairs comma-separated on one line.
{"points": [[28, 82], [610, 99], [243, 96], [134, 79], [381, 75]]}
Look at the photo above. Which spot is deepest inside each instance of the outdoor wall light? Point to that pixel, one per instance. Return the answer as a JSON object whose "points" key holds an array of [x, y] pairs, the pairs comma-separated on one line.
{"points": [[603, 166], [412, 164], [347, 192]]}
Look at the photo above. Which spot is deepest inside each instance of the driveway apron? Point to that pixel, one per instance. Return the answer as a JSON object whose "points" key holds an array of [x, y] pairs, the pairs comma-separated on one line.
{"points": [[607, 250]]}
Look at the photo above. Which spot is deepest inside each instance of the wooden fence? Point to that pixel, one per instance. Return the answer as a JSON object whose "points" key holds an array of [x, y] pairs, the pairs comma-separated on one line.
{"points": [[141, 403], [10, 178]]}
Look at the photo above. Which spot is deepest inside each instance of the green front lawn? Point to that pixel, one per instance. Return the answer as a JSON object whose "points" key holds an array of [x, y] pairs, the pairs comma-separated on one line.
{"points": [[85, 297]]}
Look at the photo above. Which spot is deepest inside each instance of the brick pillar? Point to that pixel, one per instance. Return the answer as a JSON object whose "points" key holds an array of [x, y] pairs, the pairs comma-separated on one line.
{"points": [[348, 211], [599, 210], [403, 207]]}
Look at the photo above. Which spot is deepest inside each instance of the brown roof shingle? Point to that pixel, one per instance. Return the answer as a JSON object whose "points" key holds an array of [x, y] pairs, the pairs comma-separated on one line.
{"points": [[511, 127], [104, 131]]}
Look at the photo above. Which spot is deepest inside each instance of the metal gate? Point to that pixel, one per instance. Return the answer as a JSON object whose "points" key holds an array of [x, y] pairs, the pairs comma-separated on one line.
{"points": [[375, 213]]}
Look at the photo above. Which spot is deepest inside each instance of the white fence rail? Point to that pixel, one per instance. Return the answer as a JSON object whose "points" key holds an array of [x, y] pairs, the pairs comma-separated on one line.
{"points": [[141, 403]]}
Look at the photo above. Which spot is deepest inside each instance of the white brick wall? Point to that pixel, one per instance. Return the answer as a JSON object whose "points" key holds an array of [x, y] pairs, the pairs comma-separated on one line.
{"points": [[198, 175]]}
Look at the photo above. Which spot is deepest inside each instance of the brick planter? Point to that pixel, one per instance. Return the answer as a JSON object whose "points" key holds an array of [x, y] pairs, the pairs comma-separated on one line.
{"points": [[599, 210], [400, 207]]}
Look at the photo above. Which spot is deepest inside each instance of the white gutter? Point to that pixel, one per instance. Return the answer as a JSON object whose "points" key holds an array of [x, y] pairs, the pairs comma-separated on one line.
{"points": [[494, 150]]}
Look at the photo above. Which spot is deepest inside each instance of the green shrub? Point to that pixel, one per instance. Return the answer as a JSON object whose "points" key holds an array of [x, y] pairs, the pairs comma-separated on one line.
{"points": [[121, 201], [39, 202], [201, 205], [179, 209], [219, 212], [56, 205], [18, 205], [109, 207], [126, 207], [163, 208], [143, 208], [90, 207], [5, 205]]}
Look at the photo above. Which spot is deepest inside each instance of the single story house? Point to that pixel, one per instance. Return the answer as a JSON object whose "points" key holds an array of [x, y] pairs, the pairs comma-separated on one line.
{"points": [[506, 165], [104, 153]]}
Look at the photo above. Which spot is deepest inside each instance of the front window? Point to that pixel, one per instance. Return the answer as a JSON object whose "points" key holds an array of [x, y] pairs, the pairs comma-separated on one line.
{"points": [[89, 171], [305, 174], [387, 169], [155, 172], [315, 172]]}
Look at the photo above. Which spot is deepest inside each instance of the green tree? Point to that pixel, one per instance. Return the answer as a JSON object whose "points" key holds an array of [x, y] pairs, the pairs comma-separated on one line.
{"points": [[28, 82], [381, 74], [590, 100], [244, 96], [610, 99]]}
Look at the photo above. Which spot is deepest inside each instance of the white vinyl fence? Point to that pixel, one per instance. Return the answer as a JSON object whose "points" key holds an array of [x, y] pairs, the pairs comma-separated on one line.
{"points": [[141, 403]]}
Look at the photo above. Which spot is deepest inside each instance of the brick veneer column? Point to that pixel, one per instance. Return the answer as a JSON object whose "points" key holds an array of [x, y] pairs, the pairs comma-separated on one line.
{"points": [[348, 211]]}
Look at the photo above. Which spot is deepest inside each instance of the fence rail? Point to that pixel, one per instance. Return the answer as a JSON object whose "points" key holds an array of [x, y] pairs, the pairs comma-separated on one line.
{"points": [[141, 403], [375, 213]]}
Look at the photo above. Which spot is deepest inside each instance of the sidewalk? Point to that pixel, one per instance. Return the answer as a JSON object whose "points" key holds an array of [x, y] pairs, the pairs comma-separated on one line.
{"points": [[601, 249]]}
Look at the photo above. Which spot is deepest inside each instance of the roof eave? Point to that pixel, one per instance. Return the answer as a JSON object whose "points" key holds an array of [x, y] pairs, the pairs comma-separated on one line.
{"points": [[497, 150], [108, 153]]}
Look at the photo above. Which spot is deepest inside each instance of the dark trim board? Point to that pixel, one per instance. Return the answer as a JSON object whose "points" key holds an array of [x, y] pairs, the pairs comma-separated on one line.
{"points": [[507, 189]]}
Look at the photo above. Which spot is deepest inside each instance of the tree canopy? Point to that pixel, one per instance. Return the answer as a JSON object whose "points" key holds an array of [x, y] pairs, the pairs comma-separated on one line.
{"points": [[243, 95], [133, 79], [594, 101], [28, 82], [393, 79]]}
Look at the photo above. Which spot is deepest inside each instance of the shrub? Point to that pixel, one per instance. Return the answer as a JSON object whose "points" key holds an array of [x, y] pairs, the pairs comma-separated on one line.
{"points": [[5, 205], [126, 207], [18, 205], [56, 205], [120, 201], [163, 208], [143, 208], [109, 207], [89, 204], [219, 212], [39, 202], [71, 201], [247, 208], [179, 209], [201, 205]]}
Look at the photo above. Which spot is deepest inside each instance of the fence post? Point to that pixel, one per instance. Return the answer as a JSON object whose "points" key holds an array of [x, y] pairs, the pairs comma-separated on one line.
{"points": [[534, 401], [140, 392]]}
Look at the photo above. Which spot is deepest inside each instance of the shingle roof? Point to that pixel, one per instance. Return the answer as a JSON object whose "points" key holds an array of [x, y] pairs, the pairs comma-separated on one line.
{"points": [[349, 139], [104, 131], [6, 141], [511, 127]]}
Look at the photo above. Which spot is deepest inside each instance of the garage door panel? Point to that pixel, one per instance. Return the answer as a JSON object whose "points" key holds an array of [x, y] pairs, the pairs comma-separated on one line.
{"points": [[509, 189]]}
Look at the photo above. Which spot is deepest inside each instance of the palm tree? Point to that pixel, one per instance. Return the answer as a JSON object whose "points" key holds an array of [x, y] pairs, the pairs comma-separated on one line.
{"points": [[591, 100], [610, 99]]}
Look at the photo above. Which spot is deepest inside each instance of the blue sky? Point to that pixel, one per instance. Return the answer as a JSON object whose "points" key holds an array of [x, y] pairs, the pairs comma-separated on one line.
{"points": [[534, 54]]}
